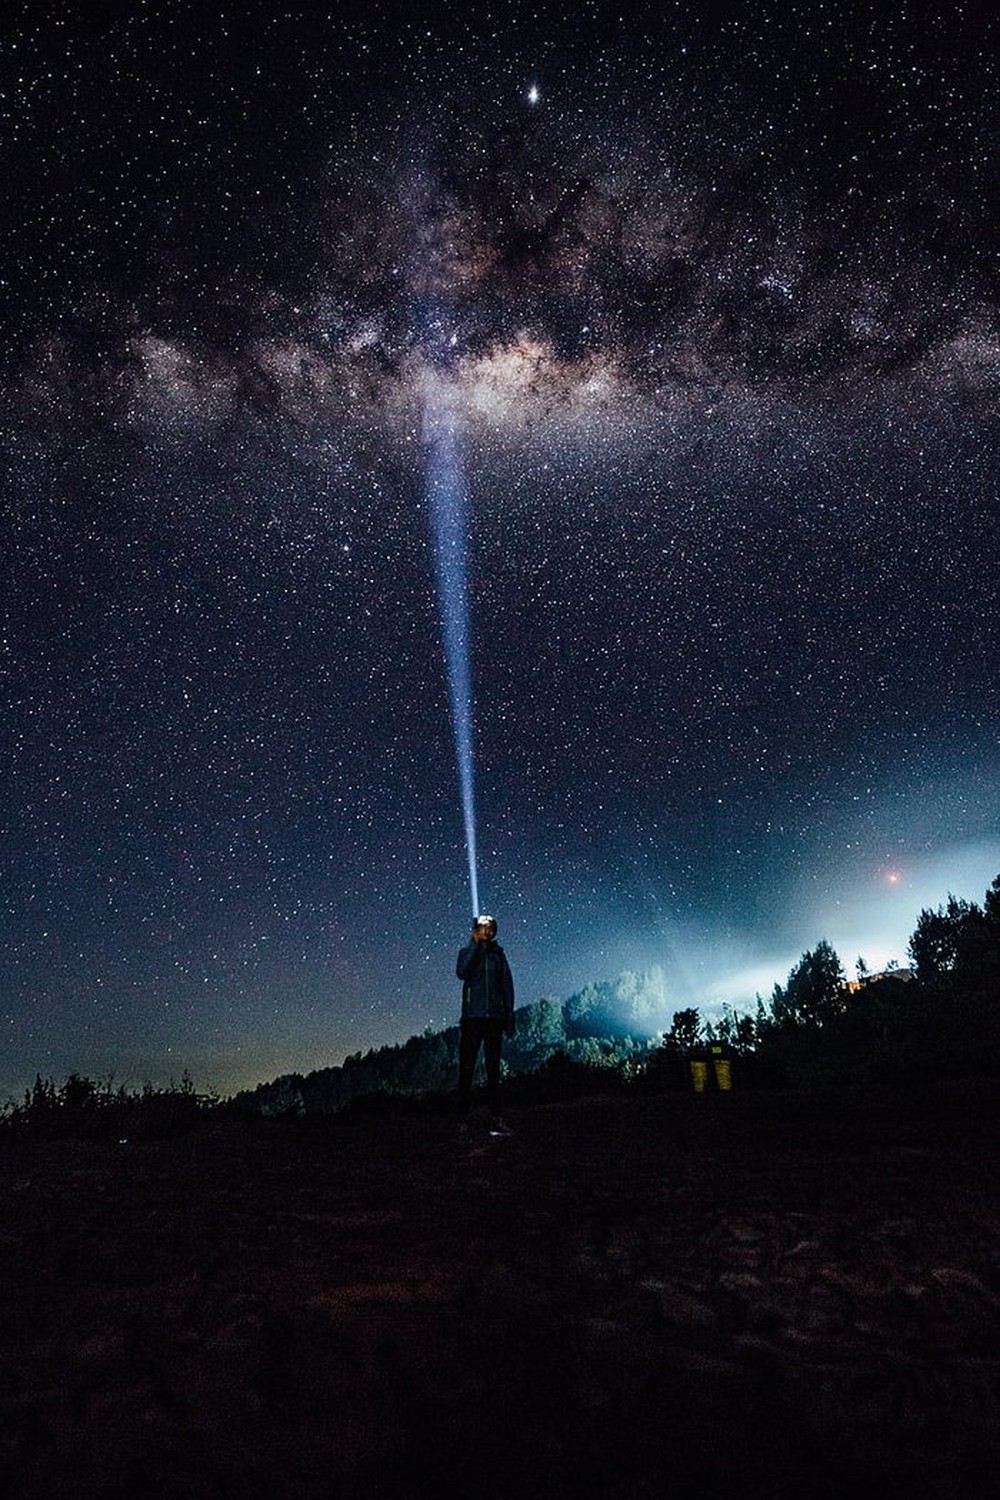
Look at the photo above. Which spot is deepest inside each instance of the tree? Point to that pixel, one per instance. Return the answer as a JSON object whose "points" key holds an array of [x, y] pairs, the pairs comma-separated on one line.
{"points": [[814, 992], [638, 999], [991, 907], [540, 1025], [936, 940], [686, 1028], [586, 1012], [977, 955], [622, 1007], [736, 1031]]}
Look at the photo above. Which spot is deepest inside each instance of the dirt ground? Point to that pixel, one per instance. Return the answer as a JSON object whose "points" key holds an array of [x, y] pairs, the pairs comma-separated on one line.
{"points": [[734, 1294]]}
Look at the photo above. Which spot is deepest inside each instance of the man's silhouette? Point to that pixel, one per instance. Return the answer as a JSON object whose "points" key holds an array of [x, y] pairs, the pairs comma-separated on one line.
{"points": [[487, 1015]]}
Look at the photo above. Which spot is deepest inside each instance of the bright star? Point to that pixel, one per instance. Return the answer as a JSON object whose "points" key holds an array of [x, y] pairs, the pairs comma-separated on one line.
{"points": [[533, 94]]}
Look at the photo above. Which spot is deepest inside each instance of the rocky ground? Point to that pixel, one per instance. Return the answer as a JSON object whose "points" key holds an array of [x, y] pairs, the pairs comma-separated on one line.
{"points": [[743, 1294]]}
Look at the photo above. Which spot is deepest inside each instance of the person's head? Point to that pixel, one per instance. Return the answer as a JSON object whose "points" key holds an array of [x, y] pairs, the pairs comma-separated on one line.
{"points": [[485, 928]]}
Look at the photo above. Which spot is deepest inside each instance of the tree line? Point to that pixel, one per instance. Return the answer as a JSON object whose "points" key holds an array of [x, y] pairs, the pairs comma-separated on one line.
{"points": [[83, 1107], [939, 1018]]}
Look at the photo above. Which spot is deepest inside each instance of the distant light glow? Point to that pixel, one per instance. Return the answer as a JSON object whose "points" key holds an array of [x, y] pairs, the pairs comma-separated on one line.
{"points": [[533, 94]]}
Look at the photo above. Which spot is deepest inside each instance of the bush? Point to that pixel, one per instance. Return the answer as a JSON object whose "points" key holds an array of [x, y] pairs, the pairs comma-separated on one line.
{"points": [[83, 1109]]}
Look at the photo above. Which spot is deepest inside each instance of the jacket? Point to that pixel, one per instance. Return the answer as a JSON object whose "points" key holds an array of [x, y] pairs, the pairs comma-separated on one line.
{"points": [[487, 983]]}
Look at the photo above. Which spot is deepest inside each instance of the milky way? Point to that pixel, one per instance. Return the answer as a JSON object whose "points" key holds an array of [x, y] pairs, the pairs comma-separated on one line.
{"points": [[718, 294]]}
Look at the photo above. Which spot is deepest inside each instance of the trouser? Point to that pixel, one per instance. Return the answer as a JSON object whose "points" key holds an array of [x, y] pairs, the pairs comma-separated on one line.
{"points": [[476, 1030]]}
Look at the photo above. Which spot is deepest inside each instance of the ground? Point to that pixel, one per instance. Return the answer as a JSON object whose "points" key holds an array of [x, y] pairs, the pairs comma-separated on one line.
{"points": [[734, 1294]]}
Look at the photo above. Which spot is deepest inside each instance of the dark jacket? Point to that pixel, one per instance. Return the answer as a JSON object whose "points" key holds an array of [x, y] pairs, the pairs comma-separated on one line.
{"points": [[487, 983]]}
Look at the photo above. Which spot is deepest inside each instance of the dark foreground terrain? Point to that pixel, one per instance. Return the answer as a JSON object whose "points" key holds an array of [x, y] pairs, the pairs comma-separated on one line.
{"points": [[743, 1294]]}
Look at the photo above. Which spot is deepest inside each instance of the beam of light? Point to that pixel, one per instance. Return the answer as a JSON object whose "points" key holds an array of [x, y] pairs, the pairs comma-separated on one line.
{"points": [[448, 504]]}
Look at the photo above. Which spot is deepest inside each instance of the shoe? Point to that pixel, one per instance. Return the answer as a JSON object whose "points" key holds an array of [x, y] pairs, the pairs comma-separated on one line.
{"points": [[500, 1127]]}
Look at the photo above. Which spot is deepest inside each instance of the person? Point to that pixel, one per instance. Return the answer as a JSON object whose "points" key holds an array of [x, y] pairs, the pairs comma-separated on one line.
{"points": [[487, 1016]]}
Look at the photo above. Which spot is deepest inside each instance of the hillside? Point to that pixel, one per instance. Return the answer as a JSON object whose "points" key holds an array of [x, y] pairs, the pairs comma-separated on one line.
{"points": [[604, 1023]]}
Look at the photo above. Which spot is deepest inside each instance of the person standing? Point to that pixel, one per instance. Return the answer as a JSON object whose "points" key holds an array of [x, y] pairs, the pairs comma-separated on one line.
{"points": [[487, 1016]]}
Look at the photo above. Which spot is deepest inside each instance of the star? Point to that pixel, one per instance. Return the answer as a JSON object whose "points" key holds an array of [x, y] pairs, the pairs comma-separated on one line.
{"points": [[717, 405]]}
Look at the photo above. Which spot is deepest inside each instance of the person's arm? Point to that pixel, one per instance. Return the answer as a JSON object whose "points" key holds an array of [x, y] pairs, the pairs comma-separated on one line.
{"points": [[468, 959], [508, 985]]}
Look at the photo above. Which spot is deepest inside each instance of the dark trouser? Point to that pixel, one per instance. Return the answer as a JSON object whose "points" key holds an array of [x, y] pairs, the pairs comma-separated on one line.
{"points": [[488, 1031]]}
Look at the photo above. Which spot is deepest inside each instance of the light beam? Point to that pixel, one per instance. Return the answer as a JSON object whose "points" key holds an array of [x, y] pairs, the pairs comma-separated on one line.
{"points": [[448, 504]]}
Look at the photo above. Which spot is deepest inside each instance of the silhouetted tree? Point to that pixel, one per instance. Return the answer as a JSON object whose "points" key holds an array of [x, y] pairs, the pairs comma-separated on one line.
{"points": [[934, 946], [991, 906], [814, 992], [977, 955], [737, 1032], [686, 1028]]}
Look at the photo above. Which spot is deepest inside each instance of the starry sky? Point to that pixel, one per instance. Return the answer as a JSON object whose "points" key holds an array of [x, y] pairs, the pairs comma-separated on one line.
{"points": [[718, 288]]}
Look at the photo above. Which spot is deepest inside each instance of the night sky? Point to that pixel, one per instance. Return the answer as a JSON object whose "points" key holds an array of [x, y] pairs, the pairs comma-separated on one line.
{"points": [[712, 295]]}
